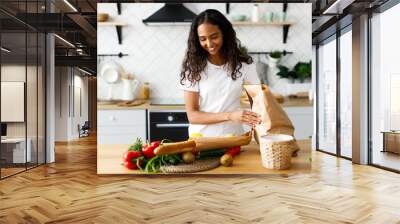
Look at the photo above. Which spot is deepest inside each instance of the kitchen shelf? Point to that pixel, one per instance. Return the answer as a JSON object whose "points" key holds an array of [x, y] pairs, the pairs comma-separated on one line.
{"points": [[118, 26], [285, 26]]}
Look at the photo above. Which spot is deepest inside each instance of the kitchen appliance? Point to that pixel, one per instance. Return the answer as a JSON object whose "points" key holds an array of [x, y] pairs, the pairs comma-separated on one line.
{"points": [[3, 131], [170, 13], [171, 124]]}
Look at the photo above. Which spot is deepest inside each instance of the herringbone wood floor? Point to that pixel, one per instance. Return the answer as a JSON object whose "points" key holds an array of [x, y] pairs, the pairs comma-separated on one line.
{"points": [[69, 191]]}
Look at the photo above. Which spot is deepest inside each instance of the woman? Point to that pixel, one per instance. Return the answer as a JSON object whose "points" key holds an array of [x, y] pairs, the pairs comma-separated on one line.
{"points": [[212, 76]]}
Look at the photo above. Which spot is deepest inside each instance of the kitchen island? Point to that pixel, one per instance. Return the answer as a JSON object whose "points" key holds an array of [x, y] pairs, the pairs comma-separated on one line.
{"points": [[123, 124], [248, 162]]}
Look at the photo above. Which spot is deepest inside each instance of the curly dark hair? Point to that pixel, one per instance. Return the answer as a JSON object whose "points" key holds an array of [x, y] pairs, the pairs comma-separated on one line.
{"points": [[196, 57]]}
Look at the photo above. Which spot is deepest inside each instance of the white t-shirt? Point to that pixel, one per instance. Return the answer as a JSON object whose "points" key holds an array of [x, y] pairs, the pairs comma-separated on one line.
{"points": [[219, 93]]}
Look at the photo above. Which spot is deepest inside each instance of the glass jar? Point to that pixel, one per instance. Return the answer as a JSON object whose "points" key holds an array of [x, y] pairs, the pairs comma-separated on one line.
{"points": [[146, 91]]}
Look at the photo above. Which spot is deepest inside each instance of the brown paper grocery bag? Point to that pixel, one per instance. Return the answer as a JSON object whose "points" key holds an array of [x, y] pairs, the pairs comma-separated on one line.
{"points": [[274, 119]]}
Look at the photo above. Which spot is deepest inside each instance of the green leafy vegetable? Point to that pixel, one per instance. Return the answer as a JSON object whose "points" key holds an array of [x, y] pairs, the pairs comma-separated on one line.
{"points": [[137, 145], [154, 164], [211, 153]]}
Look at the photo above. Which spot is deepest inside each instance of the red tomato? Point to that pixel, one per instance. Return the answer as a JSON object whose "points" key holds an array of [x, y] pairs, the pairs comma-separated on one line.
{"points": [[130, 165], [155, 144], [130, 155], [148, 151]]}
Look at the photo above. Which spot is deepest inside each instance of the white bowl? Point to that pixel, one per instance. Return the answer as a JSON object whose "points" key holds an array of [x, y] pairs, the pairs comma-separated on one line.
{"points": [[110, 72]]}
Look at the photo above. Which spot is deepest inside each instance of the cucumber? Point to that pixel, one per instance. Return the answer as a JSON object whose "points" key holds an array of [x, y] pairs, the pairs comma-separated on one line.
{"points": [[211, 153]]}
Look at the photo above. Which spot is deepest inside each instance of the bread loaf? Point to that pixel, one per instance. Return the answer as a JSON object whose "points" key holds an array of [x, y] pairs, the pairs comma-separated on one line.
{"points": [[176, 147]]}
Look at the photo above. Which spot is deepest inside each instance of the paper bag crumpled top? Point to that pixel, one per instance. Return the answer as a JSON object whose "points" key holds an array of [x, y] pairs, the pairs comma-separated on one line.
{"points": [[274, 119]]}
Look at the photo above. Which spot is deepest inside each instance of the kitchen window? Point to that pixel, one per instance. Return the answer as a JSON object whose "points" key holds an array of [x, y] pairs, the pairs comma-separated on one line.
{"points": [[327, 96], [346, 92], [385, 89]]}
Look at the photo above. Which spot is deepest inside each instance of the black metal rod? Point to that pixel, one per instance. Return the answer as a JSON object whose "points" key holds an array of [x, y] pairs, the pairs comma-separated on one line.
{"points": [[369, 88], [338, 96], [113, 55], [269, 52]]}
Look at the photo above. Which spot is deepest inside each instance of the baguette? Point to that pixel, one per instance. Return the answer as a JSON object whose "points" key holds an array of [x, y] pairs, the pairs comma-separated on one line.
{"points": [[176, 147], [209, 143]]}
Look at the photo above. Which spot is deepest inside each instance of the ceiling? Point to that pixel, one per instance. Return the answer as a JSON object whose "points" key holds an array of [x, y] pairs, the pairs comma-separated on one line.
{"points": [[75, 22]]}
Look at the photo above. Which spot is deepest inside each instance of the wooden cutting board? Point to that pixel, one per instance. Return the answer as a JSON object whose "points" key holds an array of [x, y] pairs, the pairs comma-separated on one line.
{"points": [[132, 103]]}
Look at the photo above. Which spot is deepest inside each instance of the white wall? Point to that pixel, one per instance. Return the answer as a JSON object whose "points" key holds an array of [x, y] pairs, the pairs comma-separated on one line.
{"points": [[156, 52], [33, 126], [17, 73], [66, 100]]}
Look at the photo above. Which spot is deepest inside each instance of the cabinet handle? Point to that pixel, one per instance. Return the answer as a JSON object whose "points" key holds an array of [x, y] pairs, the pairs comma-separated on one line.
{"points": [[172, 125]]}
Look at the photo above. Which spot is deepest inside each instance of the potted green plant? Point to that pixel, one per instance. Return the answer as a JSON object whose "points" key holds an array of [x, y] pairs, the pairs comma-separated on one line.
{"points": [[303, 70], [274, 58], [283, 71], [276, 54], [292, 76]]}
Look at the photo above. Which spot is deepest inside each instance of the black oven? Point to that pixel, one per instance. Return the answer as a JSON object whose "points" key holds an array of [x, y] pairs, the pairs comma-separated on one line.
{"points": [[172, 125]]}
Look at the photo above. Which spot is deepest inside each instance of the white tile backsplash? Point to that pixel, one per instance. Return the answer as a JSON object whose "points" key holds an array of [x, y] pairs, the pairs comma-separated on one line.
{"points": [[156, 52]]}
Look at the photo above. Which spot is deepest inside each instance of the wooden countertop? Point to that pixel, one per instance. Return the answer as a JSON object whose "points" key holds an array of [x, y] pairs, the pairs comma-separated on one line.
{"points": [[289, 102], [109, 161]]}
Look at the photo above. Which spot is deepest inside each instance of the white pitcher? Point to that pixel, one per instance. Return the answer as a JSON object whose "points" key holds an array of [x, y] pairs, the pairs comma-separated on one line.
{"points": [[129, 89]]}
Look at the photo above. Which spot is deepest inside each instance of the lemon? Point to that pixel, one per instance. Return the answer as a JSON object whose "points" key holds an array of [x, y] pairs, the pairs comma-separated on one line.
{"points": [[195, 135]]}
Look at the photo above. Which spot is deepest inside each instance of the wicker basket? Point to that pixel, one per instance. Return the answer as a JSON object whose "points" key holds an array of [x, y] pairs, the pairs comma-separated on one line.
{"points": [[276, 151]]}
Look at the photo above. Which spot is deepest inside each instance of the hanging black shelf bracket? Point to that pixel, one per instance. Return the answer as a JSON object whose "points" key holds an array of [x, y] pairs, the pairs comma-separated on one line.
{"points": [[119, 8], [285, 32], [119, 33], [285, 27]]}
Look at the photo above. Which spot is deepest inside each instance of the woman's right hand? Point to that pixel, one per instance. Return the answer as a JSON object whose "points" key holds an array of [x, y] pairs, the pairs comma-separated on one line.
{"points": [[247, 117]]}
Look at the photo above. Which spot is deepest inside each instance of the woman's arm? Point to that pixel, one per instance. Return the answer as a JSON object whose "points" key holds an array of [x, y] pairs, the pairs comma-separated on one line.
{"points": [[198, 117]]}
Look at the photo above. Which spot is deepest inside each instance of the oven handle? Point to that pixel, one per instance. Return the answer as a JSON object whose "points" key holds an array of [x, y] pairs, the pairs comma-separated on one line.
{"points": [[178, 125]]}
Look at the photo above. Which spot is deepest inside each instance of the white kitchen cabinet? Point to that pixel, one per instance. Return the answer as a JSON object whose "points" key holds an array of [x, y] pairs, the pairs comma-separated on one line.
{"points": [[302, 119], [120, 126]]}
